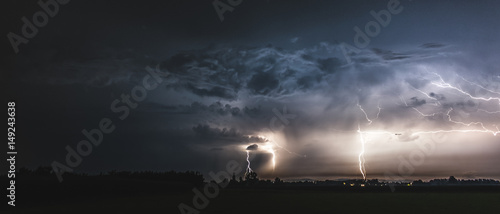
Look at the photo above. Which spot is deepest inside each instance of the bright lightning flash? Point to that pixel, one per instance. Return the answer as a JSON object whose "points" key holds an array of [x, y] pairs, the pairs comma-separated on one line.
{"points": [[361, 157], [269, 148], [248, 161], [440, 84]]}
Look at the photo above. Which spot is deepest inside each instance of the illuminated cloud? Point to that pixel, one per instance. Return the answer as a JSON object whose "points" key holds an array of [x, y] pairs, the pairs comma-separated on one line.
{"points": [[223, 90]]}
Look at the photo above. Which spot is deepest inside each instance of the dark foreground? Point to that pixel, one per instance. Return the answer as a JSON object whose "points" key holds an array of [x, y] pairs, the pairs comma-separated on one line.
{"points": [[285, 201], [165, 192]]}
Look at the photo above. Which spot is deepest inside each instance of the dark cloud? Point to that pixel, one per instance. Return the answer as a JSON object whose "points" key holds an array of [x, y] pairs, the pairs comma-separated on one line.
{"points": [[329, 65], [415, 102], [226, 87], [437, 96], [263, 82], [466, 105], [306, 82], [253, 147], [416, 82], [432, 45], [206, 132], [179, 62], [389, 55], [227, 135], [216, 108], [370, 75], [224, 72], [216, 91]]}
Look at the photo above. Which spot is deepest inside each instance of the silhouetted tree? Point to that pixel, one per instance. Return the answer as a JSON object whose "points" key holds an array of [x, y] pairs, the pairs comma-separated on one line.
{"points": [[452, 180], [43, 170], [418, 182], [251, 176], [24, 171], [277, 181]]}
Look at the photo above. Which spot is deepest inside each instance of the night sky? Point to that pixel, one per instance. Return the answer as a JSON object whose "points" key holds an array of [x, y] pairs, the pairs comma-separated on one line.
{"points": [[271, 80]]}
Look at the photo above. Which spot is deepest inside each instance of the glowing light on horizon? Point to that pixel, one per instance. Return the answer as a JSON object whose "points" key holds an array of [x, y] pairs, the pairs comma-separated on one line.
{"points": [[248, 161], [361, 157], [441, 84], [269, 148]]}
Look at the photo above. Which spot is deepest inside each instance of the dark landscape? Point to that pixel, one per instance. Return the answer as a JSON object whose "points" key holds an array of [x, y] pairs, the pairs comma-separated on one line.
{"points": [[250, 106], [129, 192]]}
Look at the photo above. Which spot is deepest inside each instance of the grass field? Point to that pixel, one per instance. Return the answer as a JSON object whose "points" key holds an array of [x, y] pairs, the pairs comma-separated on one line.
{"points": [[335, 202], [236, 201]]}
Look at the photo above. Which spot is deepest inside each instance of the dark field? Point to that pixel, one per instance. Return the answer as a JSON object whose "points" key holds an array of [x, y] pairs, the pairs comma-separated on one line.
{"points": [[287, 201], [335, 202]]}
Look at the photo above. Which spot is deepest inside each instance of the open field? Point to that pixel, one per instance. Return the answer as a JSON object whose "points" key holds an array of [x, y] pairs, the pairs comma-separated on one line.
{"points": [[337, 202], [288, 201]]}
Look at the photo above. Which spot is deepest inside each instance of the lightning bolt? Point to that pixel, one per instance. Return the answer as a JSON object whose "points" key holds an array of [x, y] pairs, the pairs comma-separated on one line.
{"points": [[443, 84], [424, 115], [274, 158], [267, 145], [269, 148], [289, 152], [248, 161], [440, 84], [489, 112], [366, 115], [436, 103], [379, 110], [403, 100], [361, 157], [480, 86]]}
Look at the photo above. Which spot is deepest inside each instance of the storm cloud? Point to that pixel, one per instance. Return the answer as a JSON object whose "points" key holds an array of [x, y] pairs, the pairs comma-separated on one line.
{"points": [[269, 80]]}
